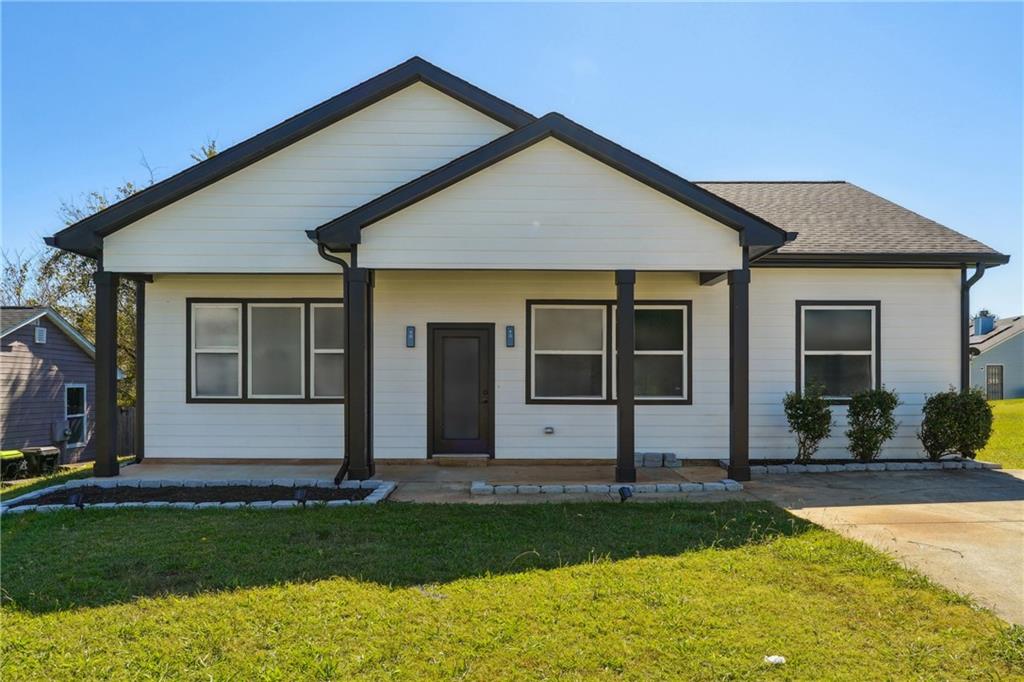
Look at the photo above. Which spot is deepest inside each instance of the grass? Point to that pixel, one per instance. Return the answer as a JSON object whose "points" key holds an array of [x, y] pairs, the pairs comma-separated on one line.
{"points": [[12, 489], [1007, 443], [398, 591]]}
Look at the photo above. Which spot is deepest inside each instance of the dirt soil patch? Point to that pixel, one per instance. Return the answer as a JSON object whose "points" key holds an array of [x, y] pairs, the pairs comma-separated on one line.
{"points": [[220, 493]]}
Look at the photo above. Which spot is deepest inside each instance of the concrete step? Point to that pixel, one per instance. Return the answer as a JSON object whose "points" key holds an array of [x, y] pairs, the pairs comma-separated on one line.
{"points": [[462, 460]]}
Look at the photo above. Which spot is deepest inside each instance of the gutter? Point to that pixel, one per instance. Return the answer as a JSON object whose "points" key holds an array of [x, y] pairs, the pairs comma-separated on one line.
{"points": [[965, 322]]}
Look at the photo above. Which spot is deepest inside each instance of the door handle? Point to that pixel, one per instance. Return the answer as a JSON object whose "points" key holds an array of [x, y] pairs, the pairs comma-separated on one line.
{"points": [[484, 398]]}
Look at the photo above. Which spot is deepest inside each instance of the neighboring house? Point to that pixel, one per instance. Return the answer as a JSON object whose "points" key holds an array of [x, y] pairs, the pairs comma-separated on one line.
{"points": [[997, 356], [493, 264], [47, 381]]}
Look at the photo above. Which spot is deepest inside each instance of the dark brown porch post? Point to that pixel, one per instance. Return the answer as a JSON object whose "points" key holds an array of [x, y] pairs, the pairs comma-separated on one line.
{"points": [[140, 369], [739, 371], [105, 401], [625, 333], [357, 356]]}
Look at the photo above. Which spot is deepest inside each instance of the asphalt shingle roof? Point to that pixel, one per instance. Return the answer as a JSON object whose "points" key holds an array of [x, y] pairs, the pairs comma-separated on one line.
{"points": [[1005, 328], [842, 218], [14, 316]]}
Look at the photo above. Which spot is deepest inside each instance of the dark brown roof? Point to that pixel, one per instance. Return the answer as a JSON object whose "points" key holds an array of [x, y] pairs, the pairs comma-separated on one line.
{"points": [[842, 219], [1004, 329]]}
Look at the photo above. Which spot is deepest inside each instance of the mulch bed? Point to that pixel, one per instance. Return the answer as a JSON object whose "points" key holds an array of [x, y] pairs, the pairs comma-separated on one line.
{"points": [[220, 493]]}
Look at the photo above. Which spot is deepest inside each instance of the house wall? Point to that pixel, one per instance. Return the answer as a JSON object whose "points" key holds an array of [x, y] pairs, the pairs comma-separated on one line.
{"points": [[255, 220], [919, 355], [32, 379], [1009, 354], [550, 207]]}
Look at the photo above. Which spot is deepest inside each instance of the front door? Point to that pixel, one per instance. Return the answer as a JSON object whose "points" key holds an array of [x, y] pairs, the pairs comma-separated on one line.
{"points": [[460, 400], [994, 382]]}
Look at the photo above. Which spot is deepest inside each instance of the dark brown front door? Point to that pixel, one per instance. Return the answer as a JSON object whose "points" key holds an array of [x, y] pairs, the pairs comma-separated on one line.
{"points": [[460, 400]]}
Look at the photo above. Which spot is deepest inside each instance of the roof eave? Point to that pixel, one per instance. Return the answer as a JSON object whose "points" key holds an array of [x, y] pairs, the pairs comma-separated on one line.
{"points": [[886, 259]]}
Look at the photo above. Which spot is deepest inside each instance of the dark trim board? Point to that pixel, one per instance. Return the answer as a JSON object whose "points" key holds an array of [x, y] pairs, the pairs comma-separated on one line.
{"points": [[85, 237], [488, 327], [609, 304], [344, 231], [884, 260], [798, 346], [244, 353]]}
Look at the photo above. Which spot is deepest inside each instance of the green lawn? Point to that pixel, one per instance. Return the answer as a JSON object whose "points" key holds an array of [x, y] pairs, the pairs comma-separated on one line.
{"points": [[1007, 443], [12, 489], [634, 591]]}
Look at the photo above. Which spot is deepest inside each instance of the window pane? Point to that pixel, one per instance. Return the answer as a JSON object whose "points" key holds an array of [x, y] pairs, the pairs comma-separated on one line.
{"points": [[276, 350], [460, 388], [659, 329], [216, 326], [76, 400], [659, 376], [841, 375], [837, 329], [216, 375], [328, 328], [568, 328], [568, 376], [328, 375], [77, 427]]}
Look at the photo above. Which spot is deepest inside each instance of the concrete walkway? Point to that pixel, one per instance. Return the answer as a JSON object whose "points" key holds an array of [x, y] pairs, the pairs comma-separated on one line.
{"points": [[963, 529]]}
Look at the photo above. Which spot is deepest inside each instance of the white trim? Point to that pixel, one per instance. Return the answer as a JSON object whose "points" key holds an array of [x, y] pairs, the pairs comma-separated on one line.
{"points": [[214, 350], [302, 349], [84, 414], [873, 353], [314, 351], [603, 309]]}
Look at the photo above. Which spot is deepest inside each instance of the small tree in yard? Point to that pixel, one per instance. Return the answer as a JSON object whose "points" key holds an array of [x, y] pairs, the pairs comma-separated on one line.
{"points": [[871, 422], [810, 418], [955, 422]]}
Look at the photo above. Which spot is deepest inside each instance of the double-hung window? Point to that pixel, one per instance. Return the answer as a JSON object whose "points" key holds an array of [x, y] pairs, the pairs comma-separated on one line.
{"points": [[838, 347], [572, 348], [75, 414], [266, 350]]}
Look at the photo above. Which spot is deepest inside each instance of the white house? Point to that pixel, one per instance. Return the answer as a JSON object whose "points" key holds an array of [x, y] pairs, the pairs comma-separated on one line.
{"points": [[416, 267]]}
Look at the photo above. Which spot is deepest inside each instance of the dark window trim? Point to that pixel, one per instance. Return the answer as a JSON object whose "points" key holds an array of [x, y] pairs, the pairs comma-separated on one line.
{"points": [[800, 304], [609, 305], [244, 353]]}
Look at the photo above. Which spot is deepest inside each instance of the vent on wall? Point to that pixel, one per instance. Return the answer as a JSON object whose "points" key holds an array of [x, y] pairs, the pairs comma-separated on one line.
{"points": [[40, 334]]}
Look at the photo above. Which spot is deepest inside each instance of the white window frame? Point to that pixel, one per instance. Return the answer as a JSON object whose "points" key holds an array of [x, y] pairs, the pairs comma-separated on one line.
{"points": [[682, 353], [84, 413], [603, 353], [302, 345], [314, 351], [873, 353], [221, 350]]}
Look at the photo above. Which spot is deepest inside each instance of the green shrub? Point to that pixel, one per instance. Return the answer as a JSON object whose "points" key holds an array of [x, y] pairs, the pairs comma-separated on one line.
{"points": [[955, 422], [871, 422], [810, 418]]}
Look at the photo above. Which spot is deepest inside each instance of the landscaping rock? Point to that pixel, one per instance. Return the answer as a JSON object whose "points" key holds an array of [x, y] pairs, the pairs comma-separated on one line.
{"points": [[284, 482], [338, 503], [796, 468], [716, 486], [667, 487], [552, 489], [480, 488], [691, 487], [261, 482], [78, 483], [835, 468], [645, 488], [952, 465], [149, 483], [876, 466], [104, 482], [19, 510], [170, 483], [529, 490], [731, 485], [989, 465], [111, 505], [575, 488], [325, 483], [816, 468], [131, 505], [284, 504], [761, 470], [895, 466], [350, 484], [232, 505], [194, 484], [262, 504], [207, 505], [670, 460], [505, 490], [774, 469], [653, 459], [43, 508], [856, 466], [931, 466], [598, 488], [369, 484], [180, 505], [157, 505], [127, 483]]}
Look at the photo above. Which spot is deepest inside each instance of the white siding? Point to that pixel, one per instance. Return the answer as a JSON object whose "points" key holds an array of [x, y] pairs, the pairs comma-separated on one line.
{"points": [[550, 207], [920, 346], [175, 428], [255, 219]]}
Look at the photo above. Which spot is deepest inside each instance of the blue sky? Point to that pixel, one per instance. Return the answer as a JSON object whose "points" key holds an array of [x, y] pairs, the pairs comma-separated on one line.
{"points": [[921, 103]]}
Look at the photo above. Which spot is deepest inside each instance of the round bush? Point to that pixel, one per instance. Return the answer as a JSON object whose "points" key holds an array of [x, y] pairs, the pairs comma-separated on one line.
{"points": [[810, 418], [871, 422], [955, 422]]}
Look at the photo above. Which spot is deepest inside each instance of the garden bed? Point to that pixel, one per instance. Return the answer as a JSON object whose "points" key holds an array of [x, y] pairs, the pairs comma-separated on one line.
{"points": [[768, 467], [213, 493]]}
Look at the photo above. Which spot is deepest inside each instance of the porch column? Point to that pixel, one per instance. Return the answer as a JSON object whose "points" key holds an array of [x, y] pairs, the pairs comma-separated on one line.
{"points": [[739, 372], [357, 361], [140, 369], [105, 399], [625, 334]]}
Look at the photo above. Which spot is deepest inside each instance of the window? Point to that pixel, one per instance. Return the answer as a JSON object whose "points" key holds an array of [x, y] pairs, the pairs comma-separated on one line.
{"points": [[40, 334], [75, 414], [217, 350], [328, 349], [268, 350], [571, 349], [838, 347], [569, 346]]}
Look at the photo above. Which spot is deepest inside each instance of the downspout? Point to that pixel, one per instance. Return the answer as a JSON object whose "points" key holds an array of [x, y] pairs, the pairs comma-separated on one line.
{"points": [[965, 323], [322, 250]]}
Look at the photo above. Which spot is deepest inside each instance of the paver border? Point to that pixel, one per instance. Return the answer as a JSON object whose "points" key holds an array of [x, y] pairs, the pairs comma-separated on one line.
{"points": [[485, 488], [760, 470]]}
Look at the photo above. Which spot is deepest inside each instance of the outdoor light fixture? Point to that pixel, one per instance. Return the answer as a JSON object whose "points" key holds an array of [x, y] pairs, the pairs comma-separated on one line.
{"points": [[300, 496], [410, 336], [625, 492], [510, 336], [76, 500]]}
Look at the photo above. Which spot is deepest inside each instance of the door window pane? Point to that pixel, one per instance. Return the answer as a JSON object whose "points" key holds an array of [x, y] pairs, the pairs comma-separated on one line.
{"points": [[659, 376], [328, 327], [660, 329], [568, 376], [568, 329], [216, 326], [328, 375], [216, 375], [845, 330], [275, 350], [841, 375], [460, 389]]}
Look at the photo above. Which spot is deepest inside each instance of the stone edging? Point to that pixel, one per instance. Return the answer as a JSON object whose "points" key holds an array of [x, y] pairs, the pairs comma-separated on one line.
{"points": [[485, 488], [757, 470], [381, 489]]}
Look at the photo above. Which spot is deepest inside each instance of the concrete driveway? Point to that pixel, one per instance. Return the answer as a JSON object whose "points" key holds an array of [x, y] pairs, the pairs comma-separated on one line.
{"points": [[963, 529]]}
